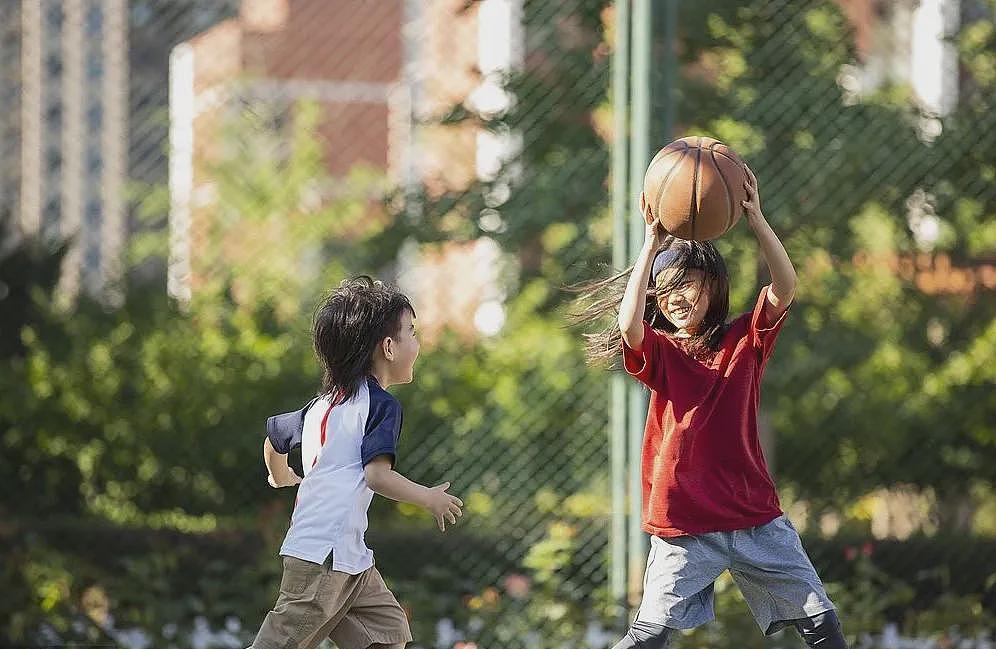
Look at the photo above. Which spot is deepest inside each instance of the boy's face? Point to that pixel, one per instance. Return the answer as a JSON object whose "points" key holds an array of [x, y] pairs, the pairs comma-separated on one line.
{"points": [[405, 349], [686, 306]]}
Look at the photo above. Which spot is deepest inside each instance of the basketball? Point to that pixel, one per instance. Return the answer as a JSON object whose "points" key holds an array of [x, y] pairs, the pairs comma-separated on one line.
{"points": [[695, 185]]}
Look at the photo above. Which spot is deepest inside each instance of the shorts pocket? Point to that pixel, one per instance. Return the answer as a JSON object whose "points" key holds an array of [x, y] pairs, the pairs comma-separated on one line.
{"points": [[299, 576]]}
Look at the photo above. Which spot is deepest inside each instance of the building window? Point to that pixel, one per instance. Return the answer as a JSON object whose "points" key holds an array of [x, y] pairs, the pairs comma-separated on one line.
{"points": [[93, 213], [54, 16], [13, 87], [94, 163], [53, 65], [51, 217], [93, 258], [94, 21], [54, 113], [94, 68], [95, 117], [54, 159]]}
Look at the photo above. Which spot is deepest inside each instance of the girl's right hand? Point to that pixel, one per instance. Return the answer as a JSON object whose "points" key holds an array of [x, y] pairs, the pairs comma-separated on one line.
{"points": [[655, 232]]}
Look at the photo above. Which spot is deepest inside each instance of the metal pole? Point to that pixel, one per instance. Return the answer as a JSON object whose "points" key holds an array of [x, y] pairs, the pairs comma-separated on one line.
{"points": [[642, 31], [670, 68], [617, 415]]}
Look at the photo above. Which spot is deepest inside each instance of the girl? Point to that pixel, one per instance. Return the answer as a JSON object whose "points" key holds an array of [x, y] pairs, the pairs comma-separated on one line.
{"points": [[708, 500]]}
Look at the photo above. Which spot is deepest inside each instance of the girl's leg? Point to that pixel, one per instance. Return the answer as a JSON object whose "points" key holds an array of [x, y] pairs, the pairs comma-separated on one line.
{"points": [[781, 585], [821, 631], [677, 589], [646, 635]]}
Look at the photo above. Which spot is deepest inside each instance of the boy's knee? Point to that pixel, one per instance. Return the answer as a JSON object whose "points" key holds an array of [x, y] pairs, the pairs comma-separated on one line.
{"points": [[646, 635], [822, 631]]}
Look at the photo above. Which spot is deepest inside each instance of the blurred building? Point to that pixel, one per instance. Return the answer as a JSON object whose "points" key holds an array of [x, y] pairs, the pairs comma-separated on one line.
{"points": [[156, 26], [343, 56], [63, 122], [378, 72], [906, 42]]}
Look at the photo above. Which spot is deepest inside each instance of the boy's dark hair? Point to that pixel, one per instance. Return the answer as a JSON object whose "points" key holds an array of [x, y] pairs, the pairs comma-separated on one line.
{"points": [[602, 298], [349, 325]]}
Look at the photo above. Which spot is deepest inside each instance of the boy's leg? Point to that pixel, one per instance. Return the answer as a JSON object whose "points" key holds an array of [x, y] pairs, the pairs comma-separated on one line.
{"points": [[677, 588], [374, 617], [311, 598], [779, 582]]}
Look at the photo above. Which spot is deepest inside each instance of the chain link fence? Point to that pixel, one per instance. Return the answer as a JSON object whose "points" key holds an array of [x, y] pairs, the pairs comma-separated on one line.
{"points": [[181, 180]]}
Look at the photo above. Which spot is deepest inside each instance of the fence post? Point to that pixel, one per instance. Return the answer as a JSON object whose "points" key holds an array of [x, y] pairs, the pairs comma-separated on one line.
{"points": [[639, 156], [617, 415]]}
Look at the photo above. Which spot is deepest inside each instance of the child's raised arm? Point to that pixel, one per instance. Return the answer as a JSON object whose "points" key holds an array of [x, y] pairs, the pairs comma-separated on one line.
{"points": [[634, 301], [783, 276]]}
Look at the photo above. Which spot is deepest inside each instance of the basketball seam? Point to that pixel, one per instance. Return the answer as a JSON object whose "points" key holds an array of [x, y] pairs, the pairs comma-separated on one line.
{"points": [[726, 188], [694, 211], [658, 157], [666, 152], [731, 158], [664, 182]]}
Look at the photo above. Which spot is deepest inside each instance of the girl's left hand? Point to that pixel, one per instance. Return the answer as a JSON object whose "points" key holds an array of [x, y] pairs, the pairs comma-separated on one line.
{"points": [[752, 205]]}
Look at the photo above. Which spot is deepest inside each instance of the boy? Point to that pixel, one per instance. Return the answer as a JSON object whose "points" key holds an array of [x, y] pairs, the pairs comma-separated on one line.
{"points": [[365, 341]]}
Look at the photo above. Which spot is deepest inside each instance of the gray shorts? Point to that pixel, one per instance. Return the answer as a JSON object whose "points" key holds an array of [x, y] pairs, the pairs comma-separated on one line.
{"points": [[767, 562]]}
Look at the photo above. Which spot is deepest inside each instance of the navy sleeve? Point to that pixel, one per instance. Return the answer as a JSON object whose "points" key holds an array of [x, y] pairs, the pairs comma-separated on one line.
{"points": [[380, 436], [285, 430]]}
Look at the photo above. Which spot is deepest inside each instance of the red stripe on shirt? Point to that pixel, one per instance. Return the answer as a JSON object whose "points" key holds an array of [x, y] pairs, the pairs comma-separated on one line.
{"points": [[325, 420]]}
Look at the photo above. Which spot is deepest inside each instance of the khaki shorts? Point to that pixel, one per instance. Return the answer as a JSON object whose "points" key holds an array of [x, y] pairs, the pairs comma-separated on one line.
{"points": [[315, 602]]}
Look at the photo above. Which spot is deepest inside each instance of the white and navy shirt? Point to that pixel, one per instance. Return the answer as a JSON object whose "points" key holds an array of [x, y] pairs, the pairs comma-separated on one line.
{"points": [[337, 440]]}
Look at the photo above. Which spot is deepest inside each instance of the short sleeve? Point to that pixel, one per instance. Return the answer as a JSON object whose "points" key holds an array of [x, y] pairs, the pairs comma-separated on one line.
{"points": [[285, 430], [646, 365], [383, 427], [763, 332]]}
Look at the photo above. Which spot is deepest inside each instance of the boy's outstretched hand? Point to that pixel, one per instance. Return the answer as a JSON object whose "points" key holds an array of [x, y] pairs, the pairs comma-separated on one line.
{"points": [[383, 479], [443, 506]]}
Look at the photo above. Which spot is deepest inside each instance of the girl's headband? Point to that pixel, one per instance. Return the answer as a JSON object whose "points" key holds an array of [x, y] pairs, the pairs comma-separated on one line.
{"points": [[666, 258], [672, 258]]}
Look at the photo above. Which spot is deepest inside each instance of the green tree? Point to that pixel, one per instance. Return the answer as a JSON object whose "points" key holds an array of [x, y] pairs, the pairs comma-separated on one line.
{"points": [[876, 381], [148, 418]]}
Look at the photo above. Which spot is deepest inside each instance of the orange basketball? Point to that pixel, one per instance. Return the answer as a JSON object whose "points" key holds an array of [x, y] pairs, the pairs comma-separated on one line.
{"points": [[696, 185]]}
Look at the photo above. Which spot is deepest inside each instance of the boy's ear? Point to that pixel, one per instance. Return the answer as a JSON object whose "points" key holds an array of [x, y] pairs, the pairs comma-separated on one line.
{"points": [[387, 346]]}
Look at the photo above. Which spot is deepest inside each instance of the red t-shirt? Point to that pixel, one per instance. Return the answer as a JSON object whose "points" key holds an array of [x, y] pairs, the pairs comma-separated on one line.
{"points": [[703, 469]]}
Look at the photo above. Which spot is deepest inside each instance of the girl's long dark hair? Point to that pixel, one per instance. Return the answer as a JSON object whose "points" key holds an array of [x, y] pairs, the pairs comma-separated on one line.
{"points": [[599, 299], [349, 324]]}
